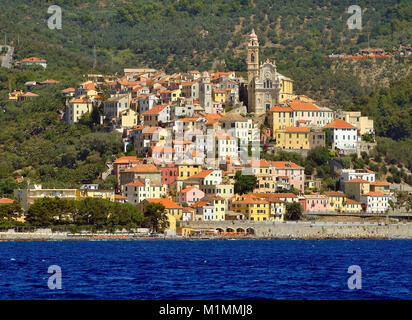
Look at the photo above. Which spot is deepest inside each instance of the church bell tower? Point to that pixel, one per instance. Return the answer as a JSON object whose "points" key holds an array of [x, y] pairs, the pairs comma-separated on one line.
{"points": [[252, 57]]}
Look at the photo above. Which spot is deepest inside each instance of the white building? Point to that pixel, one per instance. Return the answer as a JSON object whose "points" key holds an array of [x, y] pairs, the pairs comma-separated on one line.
{"points": [[115, 105], [350, 174], [343, 135], [138, 191], [146, 102], [375, 202]]}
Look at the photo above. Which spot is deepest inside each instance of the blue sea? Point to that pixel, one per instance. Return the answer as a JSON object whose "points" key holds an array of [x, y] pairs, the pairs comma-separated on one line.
{"points": [[209, 269]]}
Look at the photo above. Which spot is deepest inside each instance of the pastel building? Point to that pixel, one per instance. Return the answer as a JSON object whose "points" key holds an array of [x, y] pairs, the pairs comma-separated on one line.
{"points": [[168, 172], [363, 124], [351, 174], [33, 192], [76, 109], [294, 172], [138, 190], [375, 202], [190, 195], [315, 203], [343, 135], [336, 200]]}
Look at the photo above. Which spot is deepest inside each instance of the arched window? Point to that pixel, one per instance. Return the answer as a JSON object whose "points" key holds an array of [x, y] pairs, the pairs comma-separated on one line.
{"points": [[252, 57]]}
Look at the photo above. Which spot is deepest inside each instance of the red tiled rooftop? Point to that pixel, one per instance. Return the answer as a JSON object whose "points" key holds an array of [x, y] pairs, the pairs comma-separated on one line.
{"points": [[339, 124]]}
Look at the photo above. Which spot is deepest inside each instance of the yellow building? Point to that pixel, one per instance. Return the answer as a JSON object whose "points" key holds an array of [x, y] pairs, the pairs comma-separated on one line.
{"points": [[336, 200], [184, 231], [356, 188], [171, 207], [102, 194], [15, 95], [76, 109], [293, 138], [138, 190], [129, 118], [363, 124], [254, 209], [219, 96], [33, 192], [352, 206], [172, 225], [185, 171], [286, 89], [279, 118], [219, 208]]}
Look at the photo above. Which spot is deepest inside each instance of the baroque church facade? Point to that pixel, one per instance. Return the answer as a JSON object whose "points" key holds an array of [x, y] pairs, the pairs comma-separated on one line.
{"points": [[266, 87]]}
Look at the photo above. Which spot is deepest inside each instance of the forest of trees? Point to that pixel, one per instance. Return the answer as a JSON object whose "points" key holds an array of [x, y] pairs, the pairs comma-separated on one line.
{"points": [[177, 36]]}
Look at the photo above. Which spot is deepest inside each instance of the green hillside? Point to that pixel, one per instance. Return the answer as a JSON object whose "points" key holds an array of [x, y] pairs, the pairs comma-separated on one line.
{"points": [[180, 35], [177, 35]]}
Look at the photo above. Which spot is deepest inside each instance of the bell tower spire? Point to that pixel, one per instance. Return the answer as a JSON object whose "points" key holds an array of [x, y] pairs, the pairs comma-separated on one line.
{"points": [[252, 59]]}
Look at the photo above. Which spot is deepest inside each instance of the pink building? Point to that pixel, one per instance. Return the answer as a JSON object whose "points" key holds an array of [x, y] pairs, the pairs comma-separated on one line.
{"points": [[315, 203], [294, 172], [168, 173], [190, 195]]}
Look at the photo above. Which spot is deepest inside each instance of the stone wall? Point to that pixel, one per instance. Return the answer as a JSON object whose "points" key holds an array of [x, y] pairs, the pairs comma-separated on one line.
{"points": [[308, 229]]}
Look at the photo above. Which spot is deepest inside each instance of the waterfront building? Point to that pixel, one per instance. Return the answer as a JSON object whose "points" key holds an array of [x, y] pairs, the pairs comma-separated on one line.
{"points": [[35, 191], [138, 190], [336, 200], [375, 202]]}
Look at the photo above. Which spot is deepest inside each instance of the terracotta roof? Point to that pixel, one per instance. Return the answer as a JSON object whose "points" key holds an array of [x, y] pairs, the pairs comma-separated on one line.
{"points": [[374, 194], [29, 94], [150, 130], [285, 165], [298, 105], [49, 81], [68, 90], [188, 189], [334, 194], [162, 149], [379, 183], [276, 195], [143, 168], [280, 108], [200, 204], [79, 101], [6, 200], [136, 183], [127, 159], [119, 196], [297, 129], [167, 203], [250, 198], [32, 59], [155, 109], [202, 174], [350, 201], [259, 163], [339, 124]]}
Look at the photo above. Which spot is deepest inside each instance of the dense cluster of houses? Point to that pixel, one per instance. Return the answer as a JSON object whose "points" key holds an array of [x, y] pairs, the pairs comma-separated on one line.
{"points": [[192, 132]]}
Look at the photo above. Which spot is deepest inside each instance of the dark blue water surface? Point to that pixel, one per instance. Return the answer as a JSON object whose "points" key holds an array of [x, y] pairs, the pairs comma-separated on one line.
{"points": [[242, 269]]}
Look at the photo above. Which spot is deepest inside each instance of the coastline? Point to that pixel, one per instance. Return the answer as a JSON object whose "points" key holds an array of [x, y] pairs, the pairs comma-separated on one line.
{"points": [[243, 231], [113, 237]]}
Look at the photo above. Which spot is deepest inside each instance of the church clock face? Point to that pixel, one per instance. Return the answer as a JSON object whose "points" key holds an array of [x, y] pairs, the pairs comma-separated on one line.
{"points": [[267, 75]]}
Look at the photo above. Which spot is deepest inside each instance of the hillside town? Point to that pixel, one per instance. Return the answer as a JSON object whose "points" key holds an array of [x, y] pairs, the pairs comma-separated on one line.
{"points": [[196, 134]]}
